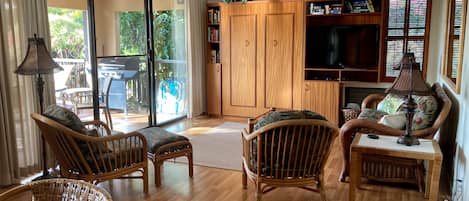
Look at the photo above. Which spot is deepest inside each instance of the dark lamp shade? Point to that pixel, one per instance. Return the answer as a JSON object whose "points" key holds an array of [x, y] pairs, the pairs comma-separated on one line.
{"points": [[37, 60], [410, 81]]}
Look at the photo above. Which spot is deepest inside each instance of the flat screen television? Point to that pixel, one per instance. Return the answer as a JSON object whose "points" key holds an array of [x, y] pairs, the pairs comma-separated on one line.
{"points": [[347, 46]]}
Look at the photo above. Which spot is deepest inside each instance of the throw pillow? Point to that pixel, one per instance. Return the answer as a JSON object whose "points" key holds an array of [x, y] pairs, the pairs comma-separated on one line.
{"points": [[65, 117], [371, 114], [286, 115], [396, 120]]}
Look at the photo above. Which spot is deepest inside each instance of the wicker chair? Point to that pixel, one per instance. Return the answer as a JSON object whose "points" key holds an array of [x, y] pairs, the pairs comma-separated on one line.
{"points": [[390, 169], [287, 153], [95, 159], [56, 189]]}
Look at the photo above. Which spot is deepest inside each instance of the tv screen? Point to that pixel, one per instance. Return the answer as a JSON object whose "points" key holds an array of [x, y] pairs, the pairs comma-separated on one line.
{"points": [[350, 46]]}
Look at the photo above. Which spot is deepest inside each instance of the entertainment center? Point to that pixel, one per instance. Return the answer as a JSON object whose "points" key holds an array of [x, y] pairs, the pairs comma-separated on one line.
{"points": [[303, 54]]}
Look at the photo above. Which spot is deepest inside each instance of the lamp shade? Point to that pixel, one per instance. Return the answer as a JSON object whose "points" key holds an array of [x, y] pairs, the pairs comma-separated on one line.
{"points": [[37, 60], [410, 81]]}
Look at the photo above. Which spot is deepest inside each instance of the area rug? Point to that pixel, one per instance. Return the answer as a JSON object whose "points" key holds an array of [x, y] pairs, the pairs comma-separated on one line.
{"points": [[218, 147]]}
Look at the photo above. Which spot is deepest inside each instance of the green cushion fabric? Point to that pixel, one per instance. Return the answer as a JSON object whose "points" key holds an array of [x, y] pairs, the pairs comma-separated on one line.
{"points": [[65, 117], [425, 113], [157, 137], [286, 115], [371, 114], [69, 119]]}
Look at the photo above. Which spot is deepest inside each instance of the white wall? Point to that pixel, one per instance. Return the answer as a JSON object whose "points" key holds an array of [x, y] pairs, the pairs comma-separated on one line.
{"points": [[459, 122]]}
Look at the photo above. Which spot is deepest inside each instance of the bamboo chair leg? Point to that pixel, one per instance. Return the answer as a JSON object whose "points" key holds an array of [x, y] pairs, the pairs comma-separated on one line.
{"points": [[157, 164], [322, 191], [145, 179], [245, 179], [259, 191], [191, 164]]}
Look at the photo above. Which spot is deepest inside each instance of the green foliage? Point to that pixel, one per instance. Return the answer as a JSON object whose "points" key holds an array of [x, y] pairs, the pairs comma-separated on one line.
{"points": [[166, 25], [132, 33], [67, 37]]}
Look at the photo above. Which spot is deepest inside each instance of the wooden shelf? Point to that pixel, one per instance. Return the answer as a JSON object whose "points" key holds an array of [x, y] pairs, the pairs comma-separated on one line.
{"points": [[213, 24], [346, 14]]}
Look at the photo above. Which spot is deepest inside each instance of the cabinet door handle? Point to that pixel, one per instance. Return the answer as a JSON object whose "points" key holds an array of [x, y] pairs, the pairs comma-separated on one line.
{"points": [[275, 43], [246, 43]]}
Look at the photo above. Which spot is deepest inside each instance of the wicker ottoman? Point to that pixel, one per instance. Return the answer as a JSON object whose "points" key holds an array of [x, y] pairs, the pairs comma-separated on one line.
{"points": [[163, 145]]}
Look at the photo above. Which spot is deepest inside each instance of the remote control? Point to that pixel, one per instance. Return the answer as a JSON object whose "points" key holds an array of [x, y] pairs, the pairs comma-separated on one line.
{"points": [[372, 136]]}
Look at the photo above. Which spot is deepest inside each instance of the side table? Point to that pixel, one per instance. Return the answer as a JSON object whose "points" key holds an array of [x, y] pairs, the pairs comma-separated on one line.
{"points": [[387, 146]]}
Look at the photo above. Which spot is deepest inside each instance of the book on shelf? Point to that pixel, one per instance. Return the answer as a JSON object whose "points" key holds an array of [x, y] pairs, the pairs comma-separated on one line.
{"points": [[215, 56], [213, 34], [360, 6], [213, 16]]}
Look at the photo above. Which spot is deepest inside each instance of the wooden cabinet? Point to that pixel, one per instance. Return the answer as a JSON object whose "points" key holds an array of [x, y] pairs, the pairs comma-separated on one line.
{"points": [[213, 69], [214, 89], [323, 97], [262, 44]]}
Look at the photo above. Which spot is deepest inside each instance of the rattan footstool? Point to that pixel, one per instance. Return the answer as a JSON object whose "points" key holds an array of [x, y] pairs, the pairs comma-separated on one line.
{"points": [[163, 145]]}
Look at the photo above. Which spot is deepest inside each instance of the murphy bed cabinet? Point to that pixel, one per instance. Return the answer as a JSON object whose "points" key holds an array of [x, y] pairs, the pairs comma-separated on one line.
{"points": [[261, 56]]}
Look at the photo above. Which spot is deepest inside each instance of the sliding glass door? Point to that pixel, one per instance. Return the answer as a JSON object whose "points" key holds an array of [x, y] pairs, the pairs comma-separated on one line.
{"points": [[169, 43], [135, 53], [121, 61]]}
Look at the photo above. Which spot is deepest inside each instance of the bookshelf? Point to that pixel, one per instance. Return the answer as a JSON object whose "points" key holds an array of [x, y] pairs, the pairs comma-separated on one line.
{"points": [[213, 69]]}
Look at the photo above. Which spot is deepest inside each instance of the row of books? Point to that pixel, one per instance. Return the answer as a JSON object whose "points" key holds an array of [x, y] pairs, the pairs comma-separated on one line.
{"points": [[215, 56], [213, 34], [325, 9], [213, 16], [360, 6]]}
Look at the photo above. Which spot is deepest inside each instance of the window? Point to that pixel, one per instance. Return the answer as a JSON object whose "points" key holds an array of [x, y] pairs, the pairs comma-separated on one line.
{"points": [[454, 43], [406, 31]]}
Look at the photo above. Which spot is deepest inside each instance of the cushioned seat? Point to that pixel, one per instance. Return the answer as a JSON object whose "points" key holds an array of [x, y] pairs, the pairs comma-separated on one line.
{"points": [[157, 137], [163, 145]]}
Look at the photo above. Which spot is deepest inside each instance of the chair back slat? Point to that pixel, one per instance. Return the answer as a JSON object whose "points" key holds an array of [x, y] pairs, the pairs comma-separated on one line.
{"points": [[293, 150]]}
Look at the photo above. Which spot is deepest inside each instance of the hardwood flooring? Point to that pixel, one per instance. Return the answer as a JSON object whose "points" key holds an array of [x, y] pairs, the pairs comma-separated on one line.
{"points": [[212, 184]]}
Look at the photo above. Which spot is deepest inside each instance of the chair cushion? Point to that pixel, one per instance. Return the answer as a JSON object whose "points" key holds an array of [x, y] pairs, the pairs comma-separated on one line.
{"points": [[69, 119], [65, 117], [425, 113], [157, 137], [371, 114], [286, 115], [396, 120]]}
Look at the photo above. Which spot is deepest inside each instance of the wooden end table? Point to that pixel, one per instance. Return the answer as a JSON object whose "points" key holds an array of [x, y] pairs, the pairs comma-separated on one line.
{"points": [[387, 146]]}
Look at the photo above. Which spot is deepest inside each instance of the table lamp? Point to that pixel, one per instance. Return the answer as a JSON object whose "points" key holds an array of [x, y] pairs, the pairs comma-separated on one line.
{"points": [[409, 82]]}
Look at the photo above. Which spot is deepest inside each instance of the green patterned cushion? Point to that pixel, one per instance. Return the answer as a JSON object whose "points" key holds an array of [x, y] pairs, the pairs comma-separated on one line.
{"points": [[286, 115], [391, 103], [157, 137], [371, 114], [65, 117], [425, 113]]}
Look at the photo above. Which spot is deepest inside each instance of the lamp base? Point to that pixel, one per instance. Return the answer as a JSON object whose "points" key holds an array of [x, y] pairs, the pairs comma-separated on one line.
{"points": [[408, 140]]}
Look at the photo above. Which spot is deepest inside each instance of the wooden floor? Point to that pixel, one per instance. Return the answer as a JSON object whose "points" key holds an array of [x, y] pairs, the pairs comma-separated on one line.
{"points": [[212, 184]]}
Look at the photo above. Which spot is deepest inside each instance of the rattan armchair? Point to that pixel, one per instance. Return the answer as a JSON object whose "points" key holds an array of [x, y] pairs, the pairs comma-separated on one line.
{"points": [[95, 159], [56, 189], [386, 168], [287, 153]]}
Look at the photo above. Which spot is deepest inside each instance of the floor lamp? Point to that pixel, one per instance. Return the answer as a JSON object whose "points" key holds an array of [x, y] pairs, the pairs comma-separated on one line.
{"points": [[36, 63]]}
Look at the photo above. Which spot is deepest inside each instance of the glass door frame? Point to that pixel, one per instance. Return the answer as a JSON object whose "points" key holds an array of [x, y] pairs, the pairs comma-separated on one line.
{"points": [[150, 58]]}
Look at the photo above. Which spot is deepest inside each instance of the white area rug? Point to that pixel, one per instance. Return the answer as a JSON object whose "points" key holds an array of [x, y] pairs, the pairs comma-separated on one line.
{"points": [[219, 147]]}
